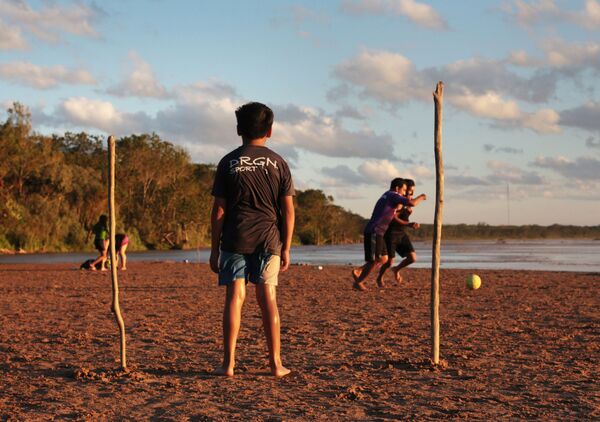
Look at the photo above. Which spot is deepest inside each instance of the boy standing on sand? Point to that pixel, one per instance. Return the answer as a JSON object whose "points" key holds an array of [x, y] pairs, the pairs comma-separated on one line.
{"points": [[100, 231], [374, 243], [252, 223], [397, 240]]}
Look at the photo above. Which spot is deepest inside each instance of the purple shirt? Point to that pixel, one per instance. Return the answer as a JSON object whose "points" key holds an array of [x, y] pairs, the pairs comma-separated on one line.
{"points": [[384, 210]]}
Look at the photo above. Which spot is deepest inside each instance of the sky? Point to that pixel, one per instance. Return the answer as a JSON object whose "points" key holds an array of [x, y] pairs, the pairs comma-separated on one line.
{"points": [[350, 83]]}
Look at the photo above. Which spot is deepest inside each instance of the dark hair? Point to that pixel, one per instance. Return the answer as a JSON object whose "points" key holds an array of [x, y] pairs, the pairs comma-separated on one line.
{"points": [[397, 182], [254, 120], [409, 183], [103, 220]]}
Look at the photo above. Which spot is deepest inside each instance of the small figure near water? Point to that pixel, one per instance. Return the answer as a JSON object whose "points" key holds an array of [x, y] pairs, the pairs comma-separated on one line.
{"points": [[102, 242], [100, 231]]}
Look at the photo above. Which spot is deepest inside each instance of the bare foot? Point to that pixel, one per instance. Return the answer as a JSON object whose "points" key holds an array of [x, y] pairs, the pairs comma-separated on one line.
{"points": [[223, 372], [359, 286], [356, 272], [92, 268], [124, 269], [280, 371], [398, 276], [104, 269]]}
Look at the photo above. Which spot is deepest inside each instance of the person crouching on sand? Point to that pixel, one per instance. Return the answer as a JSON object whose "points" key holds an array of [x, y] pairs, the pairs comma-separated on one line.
{"points": [[374, 243], [100, 231], [121, 242], [252, 222]]}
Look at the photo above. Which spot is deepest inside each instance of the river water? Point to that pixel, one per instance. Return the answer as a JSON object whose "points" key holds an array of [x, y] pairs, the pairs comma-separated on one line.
{"points": [[550, 255]]}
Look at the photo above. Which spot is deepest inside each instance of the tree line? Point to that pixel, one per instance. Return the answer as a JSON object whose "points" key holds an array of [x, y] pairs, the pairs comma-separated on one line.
{"points": [[54, 188], [530, 231]]}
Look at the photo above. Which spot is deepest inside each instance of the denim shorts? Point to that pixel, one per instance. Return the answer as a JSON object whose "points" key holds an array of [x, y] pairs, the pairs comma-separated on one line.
{"points": [[257, 268]]}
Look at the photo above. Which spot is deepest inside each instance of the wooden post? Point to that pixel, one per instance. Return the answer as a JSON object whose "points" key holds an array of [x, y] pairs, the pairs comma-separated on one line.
{"points": [[113, 253], [438, 97]]}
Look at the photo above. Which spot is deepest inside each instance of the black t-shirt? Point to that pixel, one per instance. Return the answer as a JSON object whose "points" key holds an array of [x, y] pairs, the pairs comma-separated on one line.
{"points": [[252, 179], [397, 228]]}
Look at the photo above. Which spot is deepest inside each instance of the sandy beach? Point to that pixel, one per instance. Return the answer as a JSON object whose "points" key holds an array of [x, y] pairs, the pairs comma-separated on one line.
{"points": [[525, 345]]}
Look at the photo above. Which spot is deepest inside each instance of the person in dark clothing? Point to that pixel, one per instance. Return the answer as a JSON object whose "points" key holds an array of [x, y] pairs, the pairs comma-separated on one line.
{"points": [[397, 239], [374, 243], [252, 223], [100, 231]]}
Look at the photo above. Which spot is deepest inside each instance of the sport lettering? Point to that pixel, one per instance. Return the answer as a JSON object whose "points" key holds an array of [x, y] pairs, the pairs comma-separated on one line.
{"points": [[247, 163]]}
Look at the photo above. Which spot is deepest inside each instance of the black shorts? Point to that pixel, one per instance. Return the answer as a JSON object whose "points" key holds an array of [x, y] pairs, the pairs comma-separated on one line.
{"points": [[374, 246], [398, 242], [99, 245]]}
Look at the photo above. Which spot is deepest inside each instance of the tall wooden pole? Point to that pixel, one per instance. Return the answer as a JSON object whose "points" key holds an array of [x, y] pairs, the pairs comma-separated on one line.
{"points": [[113, 252], [438, 97]]}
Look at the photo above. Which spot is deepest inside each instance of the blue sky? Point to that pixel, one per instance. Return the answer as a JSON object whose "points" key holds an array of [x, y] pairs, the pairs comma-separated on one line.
{"points": [[350, 83]]}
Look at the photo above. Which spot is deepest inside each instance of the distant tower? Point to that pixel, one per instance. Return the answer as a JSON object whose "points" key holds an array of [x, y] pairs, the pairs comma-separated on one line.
{"points": [[507, 205]]}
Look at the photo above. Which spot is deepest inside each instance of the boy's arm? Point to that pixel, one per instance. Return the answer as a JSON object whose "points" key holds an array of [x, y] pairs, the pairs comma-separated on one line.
{"points": [[217, 217], [287, 229], [416, 201]]}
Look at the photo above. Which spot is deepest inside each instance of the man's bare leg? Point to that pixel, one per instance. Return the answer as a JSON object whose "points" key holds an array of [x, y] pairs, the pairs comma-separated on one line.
{"points": [[366, 269], [382, 271], [267, 300], [232, 315], [410, 258]]}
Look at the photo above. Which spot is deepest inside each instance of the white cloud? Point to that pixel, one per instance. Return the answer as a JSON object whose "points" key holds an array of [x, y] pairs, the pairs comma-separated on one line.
{"points": [[52, 20], [478, 87], [582, 168], [387, 77], [507, 173], [392, 78], [44, 77], [372, 172], [379, 171], [419, 13], [140, 82], [542, 121], [93, 113], [479, 76], [521, 58], [202, 119], [590, 142], [529, 13], [586, 116], [316, 131], [589, 17], [532, 13], [489, 105], [11, 37], [419, 173], [460, 181], [561, 54]]}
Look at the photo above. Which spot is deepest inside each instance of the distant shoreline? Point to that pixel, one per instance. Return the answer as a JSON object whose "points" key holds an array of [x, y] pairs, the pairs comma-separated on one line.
{"points": [[415, 235]]}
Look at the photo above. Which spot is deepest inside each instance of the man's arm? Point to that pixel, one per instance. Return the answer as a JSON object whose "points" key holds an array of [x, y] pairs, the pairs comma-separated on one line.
{"points": [[287, 229], [401, 221], [217, 217]]}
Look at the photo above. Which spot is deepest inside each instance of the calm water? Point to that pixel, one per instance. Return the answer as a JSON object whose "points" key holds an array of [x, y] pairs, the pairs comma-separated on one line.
{"points": [[551, 255]]}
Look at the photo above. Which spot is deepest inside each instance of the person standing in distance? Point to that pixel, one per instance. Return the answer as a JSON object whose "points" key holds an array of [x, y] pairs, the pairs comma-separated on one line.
{"points": [[252, 222]]}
